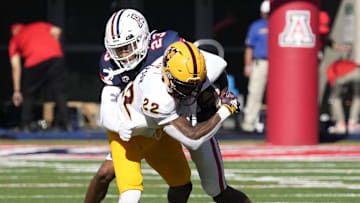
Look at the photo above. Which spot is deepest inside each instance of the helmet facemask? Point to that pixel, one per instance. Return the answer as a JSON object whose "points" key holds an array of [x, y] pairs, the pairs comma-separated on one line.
{"points": [[185, 92], [130, 53], [184, 71]]}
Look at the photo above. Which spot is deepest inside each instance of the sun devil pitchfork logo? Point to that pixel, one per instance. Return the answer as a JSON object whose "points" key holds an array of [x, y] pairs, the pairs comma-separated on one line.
{"points": [[297, 32]]}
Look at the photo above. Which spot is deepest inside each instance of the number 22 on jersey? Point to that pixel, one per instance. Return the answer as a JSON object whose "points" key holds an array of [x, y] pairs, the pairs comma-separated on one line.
{"points": [[129, 97]]}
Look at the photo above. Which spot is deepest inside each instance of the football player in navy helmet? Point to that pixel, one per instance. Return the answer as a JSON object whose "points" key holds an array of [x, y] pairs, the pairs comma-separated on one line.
{"points": [[130, 48]]}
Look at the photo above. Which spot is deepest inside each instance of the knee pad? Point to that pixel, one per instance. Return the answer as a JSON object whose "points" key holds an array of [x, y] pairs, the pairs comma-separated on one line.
{"points": [[179, 194], [231, 195]]}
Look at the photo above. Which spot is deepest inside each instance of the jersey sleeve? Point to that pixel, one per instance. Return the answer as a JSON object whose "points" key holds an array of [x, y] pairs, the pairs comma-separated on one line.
{"points": [[171, 37], [250, 37], [160, 41], [107, 71], [13, 48]]}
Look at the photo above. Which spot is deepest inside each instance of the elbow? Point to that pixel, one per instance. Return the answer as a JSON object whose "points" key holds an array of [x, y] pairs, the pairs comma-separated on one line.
{"points": [[193, 135], [193, 146], [194, 141]]}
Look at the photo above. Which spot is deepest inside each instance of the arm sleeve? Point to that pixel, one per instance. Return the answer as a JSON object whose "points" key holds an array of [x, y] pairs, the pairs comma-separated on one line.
{"points": [[109, 111], [192, 143]]}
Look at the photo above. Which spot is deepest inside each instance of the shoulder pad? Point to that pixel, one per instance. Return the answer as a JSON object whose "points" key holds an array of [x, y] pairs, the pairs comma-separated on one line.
{"points": [[158, 44]]}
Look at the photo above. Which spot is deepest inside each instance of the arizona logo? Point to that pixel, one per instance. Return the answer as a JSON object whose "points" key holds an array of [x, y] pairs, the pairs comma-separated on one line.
{"points": [[297, 32], [138, 19]]}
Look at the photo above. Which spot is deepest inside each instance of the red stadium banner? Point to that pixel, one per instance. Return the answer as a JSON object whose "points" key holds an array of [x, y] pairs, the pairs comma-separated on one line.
{"points": [[292, 115]]}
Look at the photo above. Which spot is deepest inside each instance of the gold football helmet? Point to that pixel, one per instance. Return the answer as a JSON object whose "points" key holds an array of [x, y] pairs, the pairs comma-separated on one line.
{"points": [[184, 69]]}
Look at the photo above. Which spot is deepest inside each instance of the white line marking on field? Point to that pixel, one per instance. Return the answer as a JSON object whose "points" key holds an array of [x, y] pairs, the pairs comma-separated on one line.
{"points": [[41, 196], [36, 177], [294, 170], [108, 196], [301, 195], [319, 152], [296, 202], [41, 185]]}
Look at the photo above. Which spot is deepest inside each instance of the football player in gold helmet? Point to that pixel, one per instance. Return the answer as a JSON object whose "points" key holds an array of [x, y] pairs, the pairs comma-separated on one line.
{"points": [[208, 157], [158, 99]]}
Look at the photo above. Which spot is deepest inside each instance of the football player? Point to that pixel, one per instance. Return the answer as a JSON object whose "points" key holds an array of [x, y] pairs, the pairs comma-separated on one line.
{"points": [[140, 49], [153, 101]]}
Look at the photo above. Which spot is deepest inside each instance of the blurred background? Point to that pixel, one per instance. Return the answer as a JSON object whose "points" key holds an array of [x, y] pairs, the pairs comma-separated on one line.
{"points": [[83, 24]]}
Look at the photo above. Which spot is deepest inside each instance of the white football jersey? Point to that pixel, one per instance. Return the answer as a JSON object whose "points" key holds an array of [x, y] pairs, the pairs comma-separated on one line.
{"points": [[145, 104]]}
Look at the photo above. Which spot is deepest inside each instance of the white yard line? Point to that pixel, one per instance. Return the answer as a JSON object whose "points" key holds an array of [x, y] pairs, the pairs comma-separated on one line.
{"points": [[230, 152]]}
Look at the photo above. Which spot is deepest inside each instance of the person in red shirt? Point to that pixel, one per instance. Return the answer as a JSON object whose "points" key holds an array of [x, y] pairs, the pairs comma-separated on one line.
{"points": [[44, 66], [341, 73]]}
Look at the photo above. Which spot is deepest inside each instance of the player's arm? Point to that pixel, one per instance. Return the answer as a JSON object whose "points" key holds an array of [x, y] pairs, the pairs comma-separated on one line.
{"points": [[15, 62], [108, 105], [249, 43], [194, 136], [248, 60]]}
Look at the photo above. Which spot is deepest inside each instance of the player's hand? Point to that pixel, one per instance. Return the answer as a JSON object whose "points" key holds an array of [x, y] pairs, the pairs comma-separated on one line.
{"points": [[17, 98], [125, 133], [231, 102]]}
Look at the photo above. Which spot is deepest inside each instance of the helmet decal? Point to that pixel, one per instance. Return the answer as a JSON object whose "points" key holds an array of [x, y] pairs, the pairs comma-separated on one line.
{"points": [[116, 25], [125, 79], [140, 21], [192, 57], [171, 53]]}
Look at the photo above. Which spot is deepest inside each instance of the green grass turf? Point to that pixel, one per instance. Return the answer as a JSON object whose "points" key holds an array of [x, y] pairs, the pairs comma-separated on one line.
{"points": [[264, 181]]}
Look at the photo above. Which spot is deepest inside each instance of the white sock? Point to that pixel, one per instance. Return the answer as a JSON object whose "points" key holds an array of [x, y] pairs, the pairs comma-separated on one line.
{"points": [[130, 196]]}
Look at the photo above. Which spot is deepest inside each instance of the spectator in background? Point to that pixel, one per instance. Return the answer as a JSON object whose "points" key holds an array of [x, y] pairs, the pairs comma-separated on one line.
{"points": [[325, 40], [340, 74], [232, 86], [256, 66], [44, 67]]}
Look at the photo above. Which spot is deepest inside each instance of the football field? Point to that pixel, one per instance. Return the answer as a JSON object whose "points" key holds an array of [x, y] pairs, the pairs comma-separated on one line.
{"points": [[60, 171]]}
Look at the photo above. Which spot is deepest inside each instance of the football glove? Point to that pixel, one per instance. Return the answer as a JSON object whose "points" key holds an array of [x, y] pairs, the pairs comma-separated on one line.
{"points": [[231, 102], [125, 133]]}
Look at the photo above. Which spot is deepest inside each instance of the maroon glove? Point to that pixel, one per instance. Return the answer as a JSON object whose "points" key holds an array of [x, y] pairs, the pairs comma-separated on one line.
{"points": [[231, 102]]}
